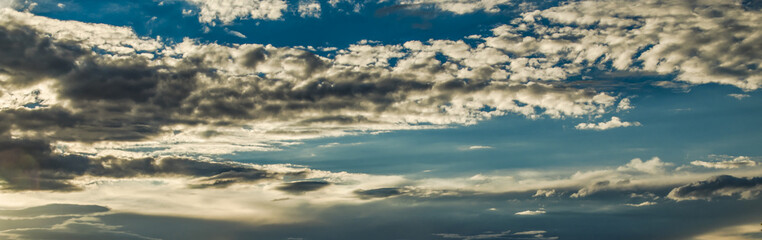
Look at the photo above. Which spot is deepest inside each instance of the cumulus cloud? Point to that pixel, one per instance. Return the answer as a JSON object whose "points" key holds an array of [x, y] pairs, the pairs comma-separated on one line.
{"points": [[615, 122], [719, 186], [711, 41], [309, 9], [227, 11], [740, 161], [189, 93], [134, 91]]}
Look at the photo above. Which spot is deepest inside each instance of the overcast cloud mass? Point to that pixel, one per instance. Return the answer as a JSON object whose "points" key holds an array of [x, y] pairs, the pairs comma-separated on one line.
{"points": [[404, 119]]}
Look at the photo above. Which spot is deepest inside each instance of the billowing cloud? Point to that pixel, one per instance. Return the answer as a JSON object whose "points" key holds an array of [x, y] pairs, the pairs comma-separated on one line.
{"points": [[227, 11], [192, 93], [719, 186], [704, 47], [615, 122]]}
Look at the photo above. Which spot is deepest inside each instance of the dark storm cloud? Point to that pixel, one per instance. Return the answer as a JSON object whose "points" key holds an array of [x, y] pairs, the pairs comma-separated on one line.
{"points": [[32, 165], [723, 185], [122, 99], [29, 57], [302, 186]]}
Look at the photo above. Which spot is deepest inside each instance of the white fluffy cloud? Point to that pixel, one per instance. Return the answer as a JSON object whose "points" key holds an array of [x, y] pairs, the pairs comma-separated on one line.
{"points": [[708, 41], [227, 11], [615, 122]]}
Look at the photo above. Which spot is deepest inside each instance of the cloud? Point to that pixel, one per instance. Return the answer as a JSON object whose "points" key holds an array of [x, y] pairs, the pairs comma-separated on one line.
{"points": [[735, 232], [740, 161], [719, 186], [615, 122], [535, 234], [54, 210], [478, 147], [544, 193], [739, 96], [643, 204], [32, 165], [487, 235], [227, 11], [301, 187], [379, 193], [630, 39], [78, 222], [215, 99], [651, 166], [530, 212], [84, 228], [309, 9]]}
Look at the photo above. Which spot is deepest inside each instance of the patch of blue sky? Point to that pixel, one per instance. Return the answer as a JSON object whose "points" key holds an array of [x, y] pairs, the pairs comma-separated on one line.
{"points": [[338, 27], [677, 126]]}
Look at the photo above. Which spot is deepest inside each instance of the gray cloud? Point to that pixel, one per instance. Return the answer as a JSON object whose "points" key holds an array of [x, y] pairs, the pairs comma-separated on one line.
{"points": [[301, 187], [32, 165], [380, 193], [719, 186], [28, 57], [77, 222], [213, 92]]}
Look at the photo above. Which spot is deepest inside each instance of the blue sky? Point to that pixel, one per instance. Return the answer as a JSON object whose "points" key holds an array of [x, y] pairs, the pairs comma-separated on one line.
{"points": [[402, 119]]}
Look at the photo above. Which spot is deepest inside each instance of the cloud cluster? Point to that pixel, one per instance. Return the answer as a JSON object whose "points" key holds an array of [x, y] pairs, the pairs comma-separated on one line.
{"points": [[708, 41], [719, 186], [227, 11], [33, 165], [207, 93]]}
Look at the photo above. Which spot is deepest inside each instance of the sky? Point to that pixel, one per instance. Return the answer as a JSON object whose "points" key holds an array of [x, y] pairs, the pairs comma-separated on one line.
{"points": [[389, 119]]}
